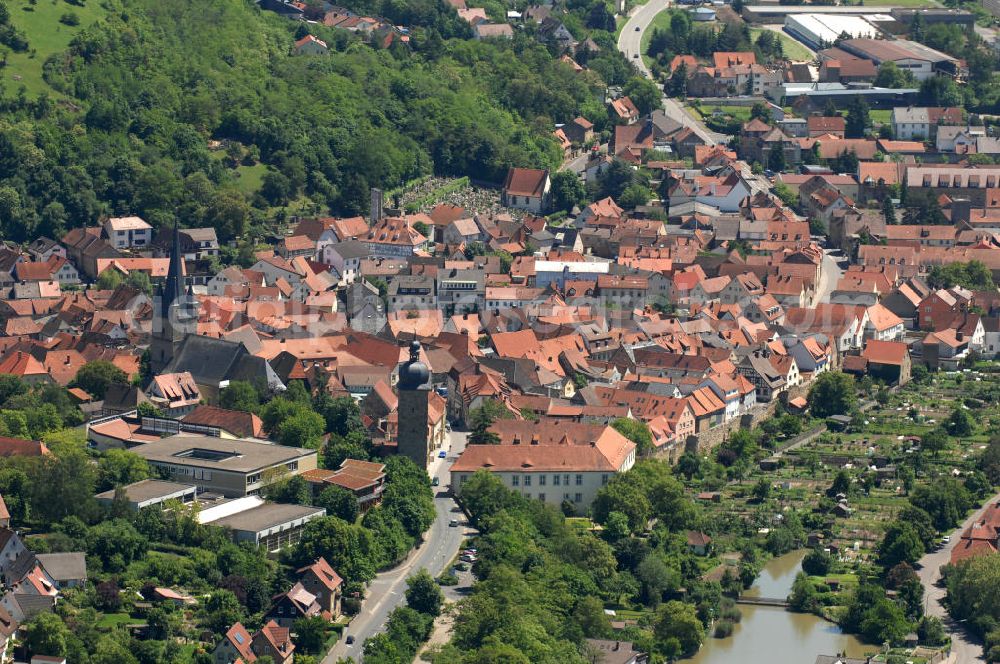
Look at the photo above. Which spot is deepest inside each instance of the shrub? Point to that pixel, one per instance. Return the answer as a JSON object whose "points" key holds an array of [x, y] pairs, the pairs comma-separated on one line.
{"points": [[731, 614], [723, 628], [448, 579], [69, 18]]}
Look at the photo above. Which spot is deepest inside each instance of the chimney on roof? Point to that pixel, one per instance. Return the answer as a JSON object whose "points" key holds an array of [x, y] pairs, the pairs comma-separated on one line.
{"points": [[534, 439], [959, 335], [517, 439]]}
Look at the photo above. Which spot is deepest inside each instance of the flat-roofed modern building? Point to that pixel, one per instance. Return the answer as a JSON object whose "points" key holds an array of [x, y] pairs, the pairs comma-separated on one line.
{"points": [[147, 493], [271, 525], [233, 468]]}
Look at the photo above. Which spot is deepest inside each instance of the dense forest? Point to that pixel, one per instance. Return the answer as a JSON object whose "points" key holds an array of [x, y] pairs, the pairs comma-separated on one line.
{"points": [[199, 111]]}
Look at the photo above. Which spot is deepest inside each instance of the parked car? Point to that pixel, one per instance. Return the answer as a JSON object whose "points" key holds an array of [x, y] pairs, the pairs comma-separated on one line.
{"points": [[461, 567], [350, 639], [436, 481], [442, 454], [453, 523], [637, 29]]}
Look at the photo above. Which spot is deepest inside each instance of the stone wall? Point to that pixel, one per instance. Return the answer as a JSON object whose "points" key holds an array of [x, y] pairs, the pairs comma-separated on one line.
{"points": [[705, 441]]}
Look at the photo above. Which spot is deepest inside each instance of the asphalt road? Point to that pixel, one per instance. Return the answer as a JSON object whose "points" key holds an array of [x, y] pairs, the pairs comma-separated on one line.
{"points": [[577, 164], [966, 647], [830, 277], [630, 43], [630, 39], [441, 544]]}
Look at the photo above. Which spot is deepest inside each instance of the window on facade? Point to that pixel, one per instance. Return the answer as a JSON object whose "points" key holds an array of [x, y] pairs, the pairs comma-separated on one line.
{"points": [[555, 480], [579, 480], [578, 498], [541, 497], [604, 478], [527, 480], [566, 480], [541, 480], [515, 480]]}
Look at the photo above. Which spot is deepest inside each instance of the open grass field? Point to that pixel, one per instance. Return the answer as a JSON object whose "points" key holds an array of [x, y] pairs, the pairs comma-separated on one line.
{"points": [[112, 620], [793, 49], [880, 116], [47, 35], [741, 113], [250, 178]]}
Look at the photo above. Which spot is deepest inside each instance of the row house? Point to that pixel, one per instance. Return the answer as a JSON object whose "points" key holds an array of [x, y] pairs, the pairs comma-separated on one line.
{"points": [[767, 379], [461, 290]]}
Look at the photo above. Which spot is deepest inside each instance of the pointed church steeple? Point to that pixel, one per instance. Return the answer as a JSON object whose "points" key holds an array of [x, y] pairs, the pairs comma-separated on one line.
{"points": [[178, 311], [173, 289]]}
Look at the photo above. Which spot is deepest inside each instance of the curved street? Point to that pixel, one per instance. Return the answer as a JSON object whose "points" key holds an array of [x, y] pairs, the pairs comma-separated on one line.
{"points": [[440, 546], [630, 44], [965, 646]]}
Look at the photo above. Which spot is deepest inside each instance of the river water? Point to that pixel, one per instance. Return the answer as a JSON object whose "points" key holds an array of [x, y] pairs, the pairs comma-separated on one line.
{"points": [[772, 635]]}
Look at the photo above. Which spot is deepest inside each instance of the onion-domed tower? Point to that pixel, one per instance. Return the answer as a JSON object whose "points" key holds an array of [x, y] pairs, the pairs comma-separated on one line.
{"points": [[414, 390]]}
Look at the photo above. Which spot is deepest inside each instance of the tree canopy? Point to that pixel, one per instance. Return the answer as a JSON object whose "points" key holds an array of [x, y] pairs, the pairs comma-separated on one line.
{"points": [[832, 393]]}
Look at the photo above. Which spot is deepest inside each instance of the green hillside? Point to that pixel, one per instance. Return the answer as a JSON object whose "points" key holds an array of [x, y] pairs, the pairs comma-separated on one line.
{"points": [[47, 35], [137, 92]]}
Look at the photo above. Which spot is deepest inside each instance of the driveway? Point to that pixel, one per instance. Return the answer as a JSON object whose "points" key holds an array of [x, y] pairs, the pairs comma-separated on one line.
{"points": [[966, 647], [829, 277], [630, 43], [578, 164], [441, 544]]}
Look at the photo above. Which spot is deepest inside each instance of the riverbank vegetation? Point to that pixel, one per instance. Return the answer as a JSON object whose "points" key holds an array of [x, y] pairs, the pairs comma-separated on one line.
{"points": [[666, 549]]}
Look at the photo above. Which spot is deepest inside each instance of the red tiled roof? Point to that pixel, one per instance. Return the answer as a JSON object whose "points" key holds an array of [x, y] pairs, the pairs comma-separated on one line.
{"points": [[526, 182], [885, 352], [826, 124], [245, 425], [19, 447]]}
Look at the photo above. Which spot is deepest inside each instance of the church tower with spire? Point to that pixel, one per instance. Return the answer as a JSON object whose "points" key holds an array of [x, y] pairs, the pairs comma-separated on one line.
{"points": [[176, 313]]}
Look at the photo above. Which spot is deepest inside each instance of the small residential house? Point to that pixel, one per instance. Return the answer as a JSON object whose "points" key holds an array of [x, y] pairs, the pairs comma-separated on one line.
{"points": [[527, 189], [698, 543], [274, 641], [234, 646], [310, 45], [289, 606], [128, 232], [889, 360], [324, 584], [175, 394], [624, 110]]}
